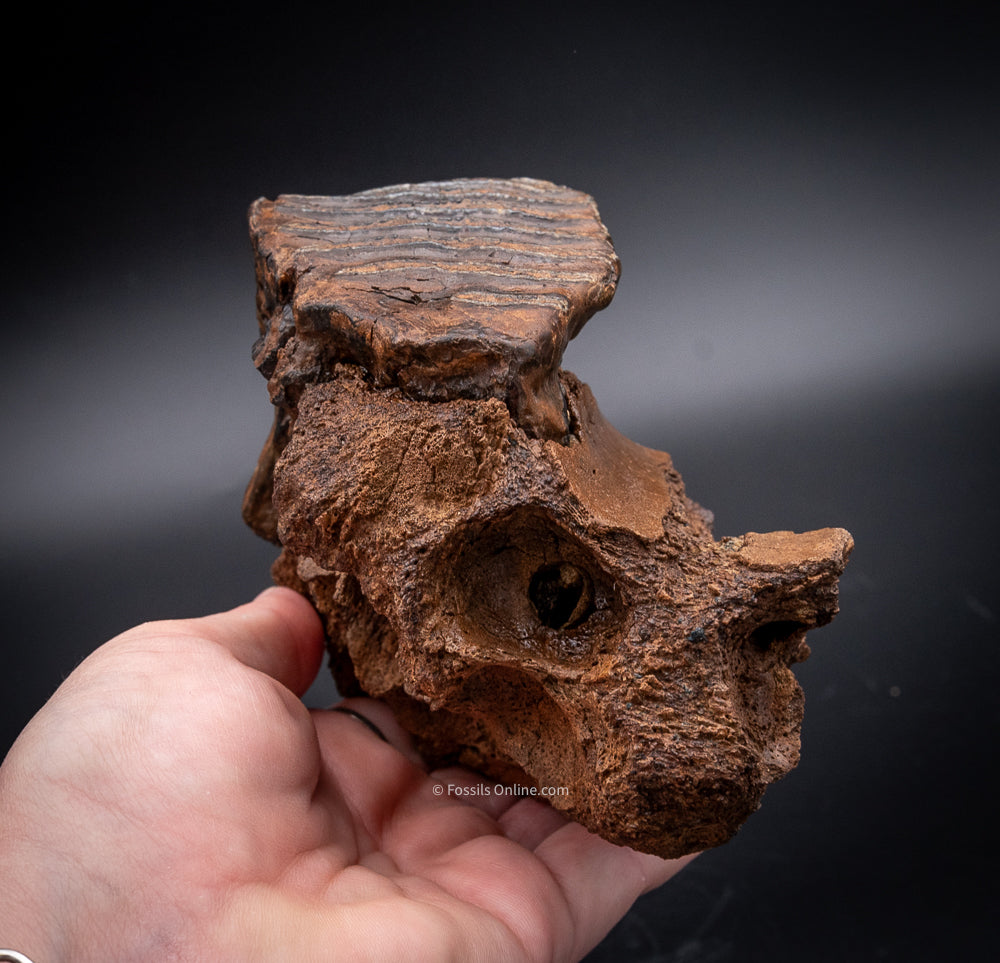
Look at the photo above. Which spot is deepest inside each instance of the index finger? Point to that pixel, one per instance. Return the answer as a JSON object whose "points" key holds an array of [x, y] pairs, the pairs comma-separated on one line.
{"points": [[582, 864]]}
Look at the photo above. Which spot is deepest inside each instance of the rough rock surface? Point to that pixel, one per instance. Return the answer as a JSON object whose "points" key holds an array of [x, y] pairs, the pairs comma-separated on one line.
{"points": [[534, 594]]}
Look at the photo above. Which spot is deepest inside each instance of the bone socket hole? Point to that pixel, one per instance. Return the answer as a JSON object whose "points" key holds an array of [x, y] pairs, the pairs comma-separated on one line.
{"points": [[773, 634], [562, 594]]}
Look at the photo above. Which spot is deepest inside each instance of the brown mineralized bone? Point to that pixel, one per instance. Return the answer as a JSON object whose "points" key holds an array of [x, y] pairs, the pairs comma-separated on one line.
{"points": [[532, 593]]}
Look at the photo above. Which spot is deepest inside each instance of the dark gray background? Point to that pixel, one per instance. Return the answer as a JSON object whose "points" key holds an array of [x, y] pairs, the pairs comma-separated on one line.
{"points": [[806, 205]]}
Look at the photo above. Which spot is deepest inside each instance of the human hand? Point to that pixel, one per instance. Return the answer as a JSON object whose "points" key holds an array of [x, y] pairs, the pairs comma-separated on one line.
{"points": [[175, 800]]}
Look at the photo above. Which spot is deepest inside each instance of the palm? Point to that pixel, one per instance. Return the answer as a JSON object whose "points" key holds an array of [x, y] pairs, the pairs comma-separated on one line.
{"points": [[363, 843], [239, 825]]}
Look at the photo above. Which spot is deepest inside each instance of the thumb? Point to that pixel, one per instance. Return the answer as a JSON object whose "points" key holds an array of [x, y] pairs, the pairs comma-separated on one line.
{"points": [[278, 633]]}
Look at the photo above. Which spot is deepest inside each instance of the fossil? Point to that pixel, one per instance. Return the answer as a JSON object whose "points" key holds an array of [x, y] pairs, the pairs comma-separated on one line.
{"points": [[534, 594]]}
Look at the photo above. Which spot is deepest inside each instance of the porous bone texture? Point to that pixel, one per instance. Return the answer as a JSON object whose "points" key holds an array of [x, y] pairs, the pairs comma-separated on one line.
{"points": [[533, 594]]}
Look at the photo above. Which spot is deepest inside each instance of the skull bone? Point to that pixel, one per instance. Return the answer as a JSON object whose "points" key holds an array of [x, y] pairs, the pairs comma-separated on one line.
{"points": [[532, 593]]}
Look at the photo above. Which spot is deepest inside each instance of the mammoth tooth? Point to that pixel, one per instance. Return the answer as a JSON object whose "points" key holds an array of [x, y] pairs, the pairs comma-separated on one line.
{"points": [[534, 595]]}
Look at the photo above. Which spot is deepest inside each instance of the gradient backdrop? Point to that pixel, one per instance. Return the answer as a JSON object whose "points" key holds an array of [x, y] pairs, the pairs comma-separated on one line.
{"points": [[806, 205]]}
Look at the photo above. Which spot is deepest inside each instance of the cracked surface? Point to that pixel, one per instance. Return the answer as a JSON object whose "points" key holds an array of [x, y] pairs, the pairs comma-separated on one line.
{"points": [[465, 288], [534, 594]]}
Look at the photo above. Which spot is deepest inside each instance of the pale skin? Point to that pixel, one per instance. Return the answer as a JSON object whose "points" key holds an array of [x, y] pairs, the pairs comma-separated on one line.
{"points": [[175, 800]]}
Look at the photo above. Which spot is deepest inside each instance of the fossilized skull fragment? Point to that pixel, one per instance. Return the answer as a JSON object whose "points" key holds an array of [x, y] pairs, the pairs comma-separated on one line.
{"points": [[532, 593]]}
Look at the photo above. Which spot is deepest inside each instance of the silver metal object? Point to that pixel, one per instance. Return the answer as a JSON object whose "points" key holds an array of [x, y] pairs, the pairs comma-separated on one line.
{"points": [[362, 719]]}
